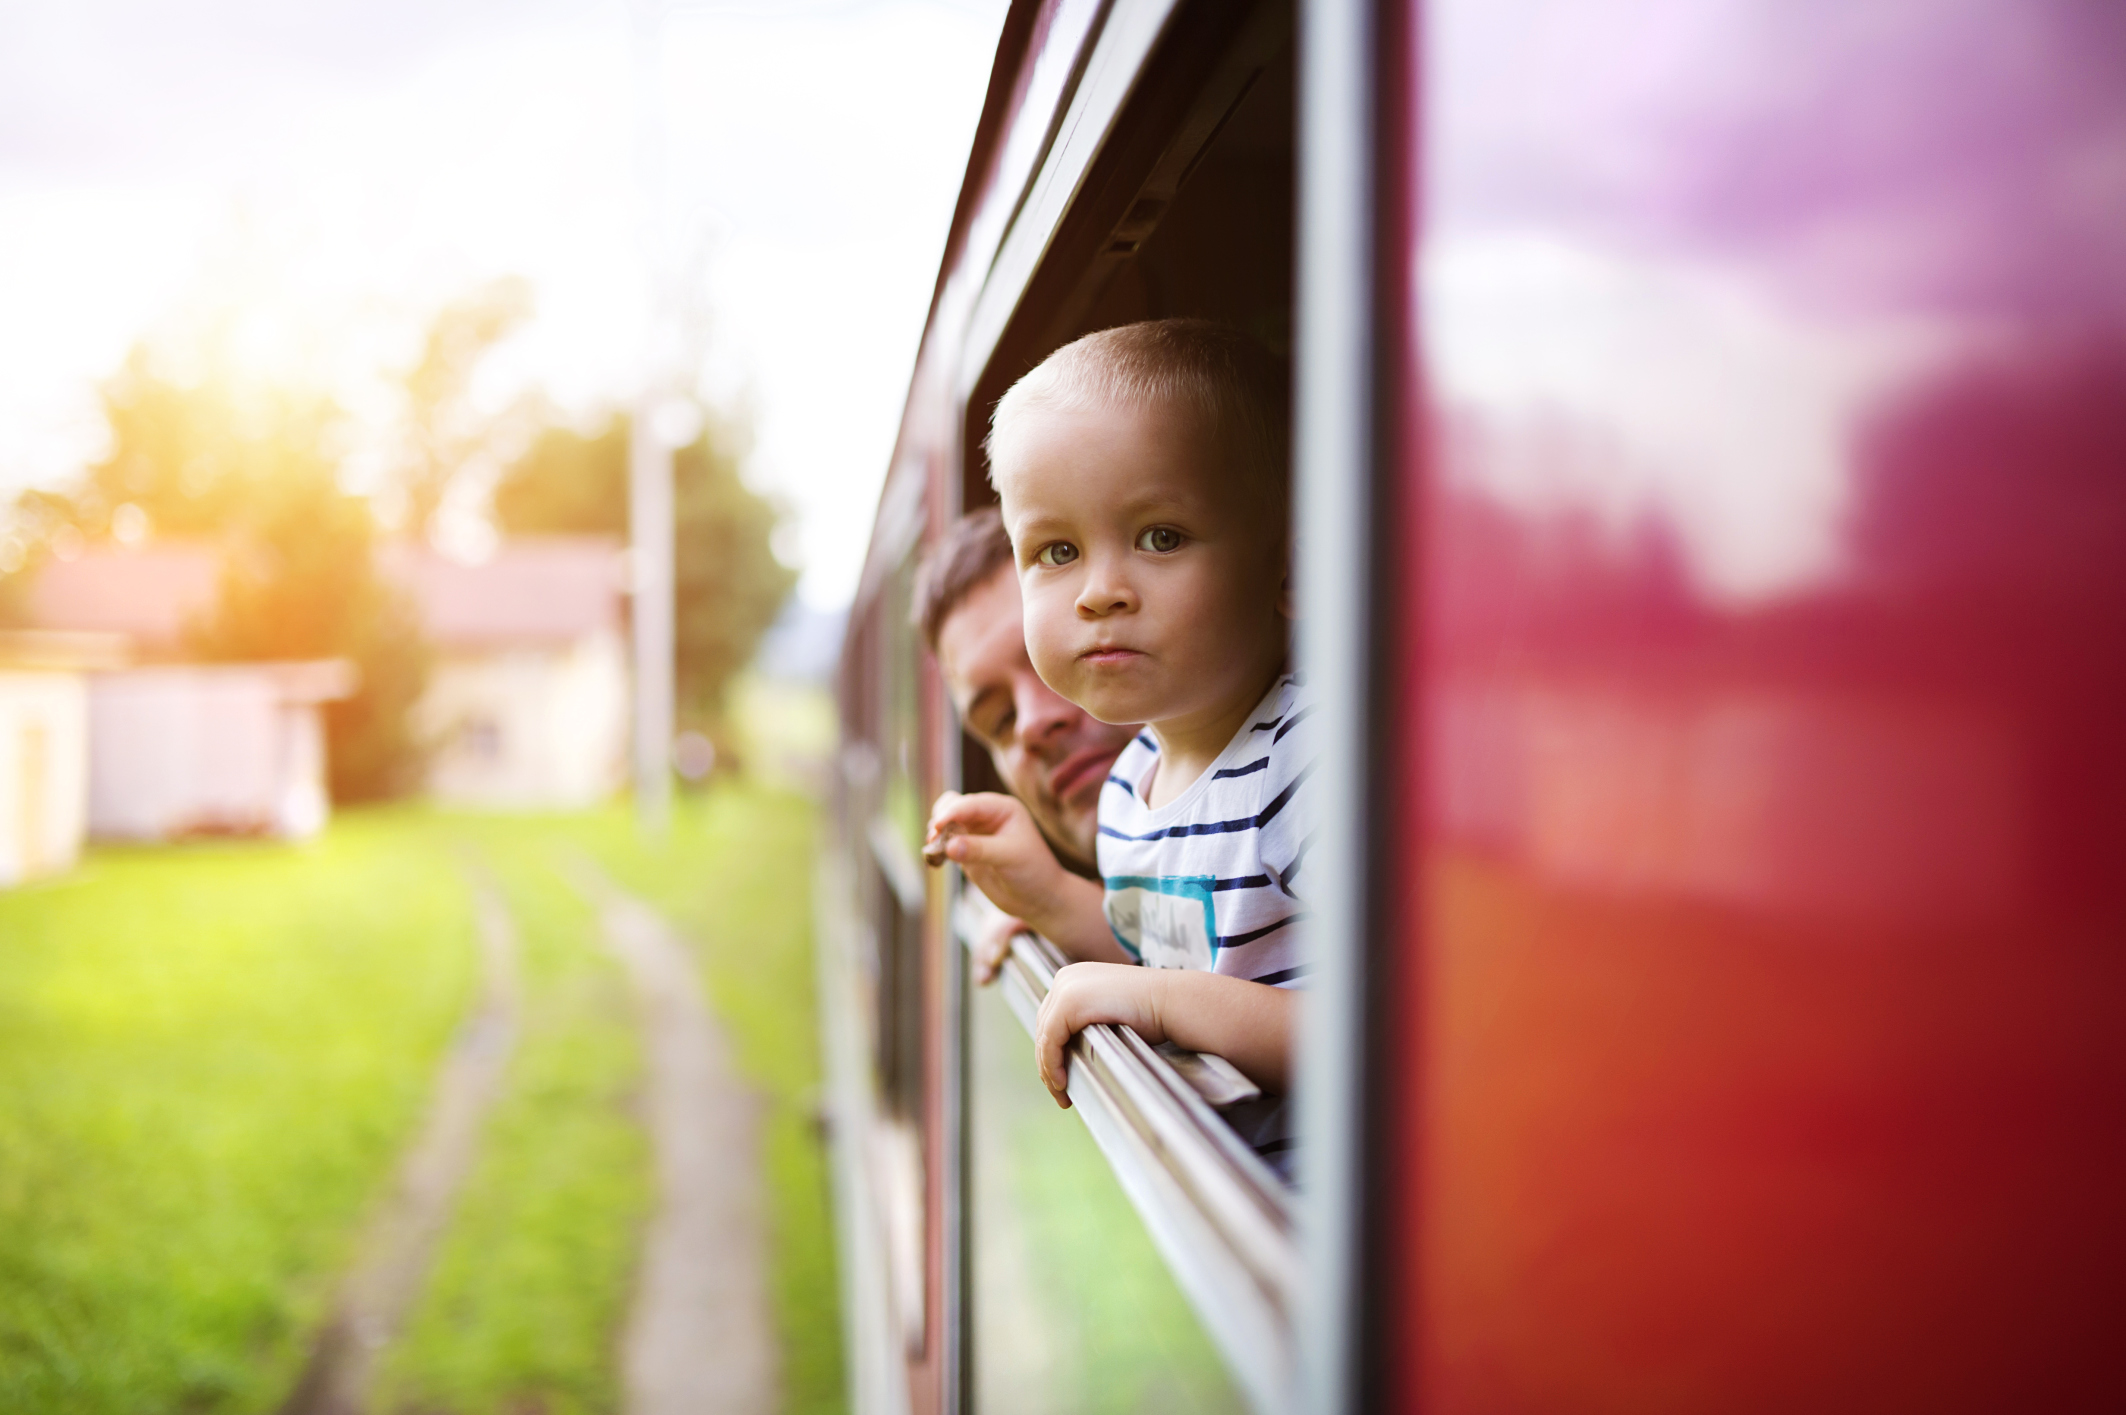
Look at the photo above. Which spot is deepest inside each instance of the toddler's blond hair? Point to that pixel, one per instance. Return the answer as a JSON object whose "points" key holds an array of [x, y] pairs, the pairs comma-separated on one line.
{"points": [[1225, 377]]}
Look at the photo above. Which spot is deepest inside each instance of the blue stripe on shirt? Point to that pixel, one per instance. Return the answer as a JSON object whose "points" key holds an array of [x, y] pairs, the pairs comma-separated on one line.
{"points": [[1284, 797], [1175, 832], [1237, 940]]}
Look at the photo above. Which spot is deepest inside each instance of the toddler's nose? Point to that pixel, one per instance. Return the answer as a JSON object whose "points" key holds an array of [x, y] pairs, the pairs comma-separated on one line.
{"points": [[1105, 593]]}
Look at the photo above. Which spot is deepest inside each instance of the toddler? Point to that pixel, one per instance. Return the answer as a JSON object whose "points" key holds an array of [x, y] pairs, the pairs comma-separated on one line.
{"points": [[1142, 475]]}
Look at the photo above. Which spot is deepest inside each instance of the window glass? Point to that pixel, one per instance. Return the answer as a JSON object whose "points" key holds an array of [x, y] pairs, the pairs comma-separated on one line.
{"points": [[1074, 1311]]}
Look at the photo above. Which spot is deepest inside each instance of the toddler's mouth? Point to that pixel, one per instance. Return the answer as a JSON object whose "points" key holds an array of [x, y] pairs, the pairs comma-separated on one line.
{"points": [[1109, 656]]}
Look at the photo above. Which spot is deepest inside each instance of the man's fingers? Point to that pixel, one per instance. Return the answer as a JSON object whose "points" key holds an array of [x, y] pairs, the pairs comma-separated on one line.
{"points": [[994, 948], [983, 811], [934, 847], [954, 814], [976, 850]]}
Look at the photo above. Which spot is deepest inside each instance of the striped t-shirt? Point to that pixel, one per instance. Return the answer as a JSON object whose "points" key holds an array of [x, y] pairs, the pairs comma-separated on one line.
{"points": [[1213, 879]]}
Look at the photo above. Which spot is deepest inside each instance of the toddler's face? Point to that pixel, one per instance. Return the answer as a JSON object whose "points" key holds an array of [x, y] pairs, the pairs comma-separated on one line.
{"points": [[1153, 579]]}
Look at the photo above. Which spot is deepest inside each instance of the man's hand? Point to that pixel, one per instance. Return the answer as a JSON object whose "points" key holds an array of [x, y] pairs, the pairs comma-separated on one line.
{"points": [[993, 838], [994, 947]]}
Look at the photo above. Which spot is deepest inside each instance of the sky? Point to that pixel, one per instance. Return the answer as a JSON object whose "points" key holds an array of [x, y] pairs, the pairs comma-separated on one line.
{"points": [[325, 175]]}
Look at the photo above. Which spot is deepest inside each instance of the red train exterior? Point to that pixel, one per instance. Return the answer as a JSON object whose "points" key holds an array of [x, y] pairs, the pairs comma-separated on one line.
{"points": [[1711, 482]]}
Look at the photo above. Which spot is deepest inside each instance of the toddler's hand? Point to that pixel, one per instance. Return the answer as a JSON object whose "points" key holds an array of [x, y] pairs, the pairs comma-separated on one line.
{"points": [[1085, 993]]}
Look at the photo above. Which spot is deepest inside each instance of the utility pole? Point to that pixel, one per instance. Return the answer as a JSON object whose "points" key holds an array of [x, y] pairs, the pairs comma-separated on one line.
{"points": [[650, 530]]}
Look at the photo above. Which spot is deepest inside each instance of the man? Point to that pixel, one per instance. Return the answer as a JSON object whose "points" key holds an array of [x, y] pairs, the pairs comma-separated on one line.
{"points": [[1050, 753]]}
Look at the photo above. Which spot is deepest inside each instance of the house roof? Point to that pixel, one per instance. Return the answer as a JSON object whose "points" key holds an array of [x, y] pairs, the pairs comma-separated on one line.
{"points": [[542, 590], [149, 594]]}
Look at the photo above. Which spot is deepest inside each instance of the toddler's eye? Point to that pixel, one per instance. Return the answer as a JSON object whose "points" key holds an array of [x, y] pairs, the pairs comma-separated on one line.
{"points": [[1159, 538], [1056, 553]]}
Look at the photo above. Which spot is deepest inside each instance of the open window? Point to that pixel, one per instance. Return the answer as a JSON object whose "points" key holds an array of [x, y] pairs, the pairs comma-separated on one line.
{"points": [[1177, 158], [1135, 161]]}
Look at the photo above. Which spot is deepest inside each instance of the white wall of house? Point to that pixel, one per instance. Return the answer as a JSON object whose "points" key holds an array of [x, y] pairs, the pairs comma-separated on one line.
{"points": [[529, 726], [44, 767], [188, 750]]}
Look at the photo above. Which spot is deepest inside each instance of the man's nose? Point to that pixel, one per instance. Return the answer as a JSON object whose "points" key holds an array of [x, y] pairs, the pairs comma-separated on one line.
{"points": [[1107, 590], [1044, 715]]}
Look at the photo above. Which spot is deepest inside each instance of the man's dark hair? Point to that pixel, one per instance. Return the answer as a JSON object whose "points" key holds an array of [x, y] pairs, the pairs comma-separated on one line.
{"points": [[970, 552]]}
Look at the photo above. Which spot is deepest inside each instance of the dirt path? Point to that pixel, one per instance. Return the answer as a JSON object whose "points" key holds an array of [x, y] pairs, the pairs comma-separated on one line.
{"points": [[699, 1340], [393, 1256]]}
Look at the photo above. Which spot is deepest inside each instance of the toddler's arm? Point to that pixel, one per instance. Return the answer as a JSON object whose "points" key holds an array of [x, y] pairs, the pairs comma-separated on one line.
{"points": [[1249, 1024], [993, 838]]}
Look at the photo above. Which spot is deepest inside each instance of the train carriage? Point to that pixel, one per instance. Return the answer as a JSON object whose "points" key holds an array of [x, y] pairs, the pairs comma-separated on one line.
{"points": [[1710, 482]]}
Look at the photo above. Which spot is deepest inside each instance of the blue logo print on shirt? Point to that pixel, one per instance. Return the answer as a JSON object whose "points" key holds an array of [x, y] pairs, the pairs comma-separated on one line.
{"points": [[1164, 921]]}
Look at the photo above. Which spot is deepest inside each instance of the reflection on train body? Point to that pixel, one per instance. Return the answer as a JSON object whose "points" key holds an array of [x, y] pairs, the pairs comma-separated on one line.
{"points": [[1774, 587]]}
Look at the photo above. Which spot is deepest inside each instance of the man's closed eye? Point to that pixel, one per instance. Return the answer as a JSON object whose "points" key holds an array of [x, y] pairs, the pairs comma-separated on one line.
{"points": [[994, 725]]}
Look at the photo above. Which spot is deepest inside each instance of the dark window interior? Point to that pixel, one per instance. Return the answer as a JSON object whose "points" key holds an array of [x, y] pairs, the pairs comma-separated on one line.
{"points": [[1188, 213]]}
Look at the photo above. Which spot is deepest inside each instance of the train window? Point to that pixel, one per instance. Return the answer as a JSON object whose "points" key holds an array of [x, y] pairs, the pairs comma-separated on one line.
{"points": [[1135, 162], [1145, 1257]]}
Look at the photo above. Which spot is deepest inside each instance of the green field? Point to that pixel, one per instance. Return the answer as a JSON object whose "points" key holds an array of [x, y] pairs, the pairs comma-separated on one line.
{"points": [[210, 1055]]}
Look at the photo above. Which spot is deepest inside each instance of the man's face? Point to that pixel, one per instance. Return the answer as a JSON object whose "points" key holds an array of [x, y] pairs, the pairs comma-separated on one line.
{"points": [[1054, 756]]}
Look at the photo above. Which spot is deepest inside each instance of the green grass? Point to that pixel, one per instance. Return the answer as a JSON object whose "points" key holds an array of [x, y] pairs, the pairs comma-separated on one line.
{"points": [[530, 1285], [735, 876], [209, 1057], [533, 1268]]}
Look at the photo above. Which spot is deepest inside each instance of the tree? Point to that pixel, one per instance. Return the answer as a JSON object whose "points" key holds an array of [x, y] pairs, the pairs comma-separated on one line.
{"points": [[443, 429], [254, 472], [192, 456], [728, 584], [300, 581]]}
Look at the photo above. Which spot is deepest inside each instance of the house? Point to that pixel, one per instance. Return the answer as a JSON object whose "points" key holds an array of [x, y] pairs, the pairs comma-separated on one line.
{"points": [[151, 593], [211, 749], [44, 749], [527, 705], [176, 748]]}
